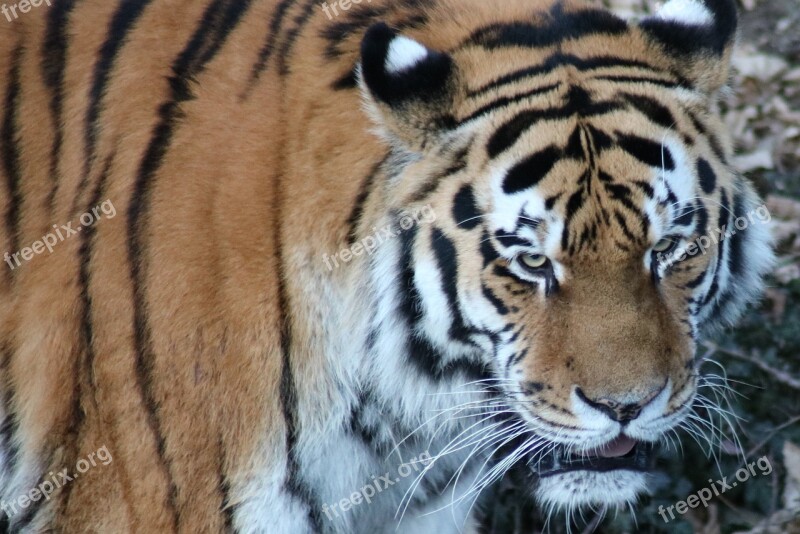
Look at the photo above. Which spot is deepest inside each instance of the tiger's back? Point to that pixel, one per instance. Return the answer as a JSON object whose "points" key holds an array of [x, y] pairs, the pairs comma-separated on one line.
{"points": [[102, 99], [190, 328]]}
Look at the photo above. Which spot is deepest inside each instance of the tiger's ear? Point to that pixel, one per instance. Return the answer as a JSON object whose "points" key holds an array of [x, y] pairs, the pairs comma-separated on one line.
{"points": [[699, 35], [409, 88]]}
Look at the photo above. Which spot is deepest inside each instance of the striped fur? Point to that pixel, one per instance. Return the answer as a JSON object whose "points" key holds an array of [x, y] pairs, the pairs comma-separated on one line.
{"points": [[241, 381]]}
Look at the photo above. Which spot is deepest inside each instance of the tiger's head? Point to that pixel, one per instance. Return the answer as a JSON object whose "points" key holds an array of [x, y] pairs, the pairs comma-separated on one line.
{"points": [[589, 226]]}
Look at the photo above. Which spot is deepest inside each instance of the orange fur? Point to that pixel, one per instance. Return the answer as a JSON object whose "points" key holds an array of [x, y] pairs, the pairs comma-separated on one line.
{"points": [[259, 178]]}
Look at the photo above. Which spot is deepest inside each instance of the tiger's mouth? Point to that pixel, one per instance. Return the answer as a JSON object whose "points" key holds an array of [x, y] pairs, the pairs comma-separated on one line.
{"points": [[623, 453]]}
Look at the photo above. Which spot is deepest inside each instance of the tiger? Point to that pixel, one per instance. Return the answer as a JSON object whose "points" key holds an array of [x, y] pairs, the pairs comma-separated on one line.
{"points": [[290, 266]]}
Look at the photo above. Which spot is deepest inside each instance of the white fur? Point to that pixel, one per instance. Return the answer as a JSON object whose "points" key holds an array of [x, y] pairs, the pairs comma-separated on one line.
{"points": [[690, 12], [575, 489], [265, 493], [403, 54]]}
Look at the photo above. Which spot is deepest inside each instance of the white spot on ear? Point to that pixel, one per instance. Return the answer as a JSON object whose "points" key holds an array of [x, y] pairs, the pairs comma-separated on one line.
{"points": [[403, 54], [692, 12]]}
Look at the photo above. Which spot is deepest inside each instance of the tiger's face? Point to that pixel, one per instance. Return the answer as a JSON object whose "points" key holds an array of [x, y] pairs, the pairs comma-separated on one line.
{"points": [[577, 218], [583, 200]]}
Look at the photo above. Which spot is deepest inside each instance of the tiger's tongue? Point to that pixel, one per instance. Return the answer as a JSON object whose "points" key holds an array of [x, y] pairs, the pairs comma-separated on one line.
{"points": [[621, 446]]}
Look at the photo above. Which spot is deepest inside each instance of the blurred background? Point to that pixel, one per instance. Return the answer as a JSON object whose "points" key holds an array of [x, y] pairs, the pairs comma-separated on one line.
{"points": [[761, 356]]}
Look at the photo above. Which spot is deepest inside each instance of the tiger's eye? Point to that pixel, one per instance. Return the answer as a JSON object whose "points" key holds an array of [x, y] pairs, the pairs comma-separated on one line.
{"points": [[663, 245], [533, 261]]}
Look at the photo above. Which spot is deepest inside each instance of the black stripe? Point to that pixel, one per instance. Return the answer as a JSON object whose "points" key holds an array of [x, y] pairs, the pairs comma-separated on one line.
{"points": [[550, 202], [426, 358], [583, 239], [647, 151], [503, 272], [509, 240], [736, 259], [559, 60], [671, 199], [9, 138], [694, 283], [369, 424], [736, 253], [531, 170], [560, 26], [701, 228], [88, 238], [84, 364], [591, 155], [123, 20], [216, 24], [505, 136], [293, 483], [574, 147], [287, 46], [575, 202], [357, 21], [53, 66], [605, 178], [578, 103], [646, 188], [289, 403], [427, 188], [446, 255], [465, 209], [507, 100], [723, 221], [421, 353], [713, 142], [488, 252], [622, 194], [523, 221], [268, 47], [708, 179], [358, 206], [652, 109], [624, 227], [599, 139], [228, 508], [347, 81], [639, 79], [459, 163], [359, 424], [687, 215], [498, 304]]}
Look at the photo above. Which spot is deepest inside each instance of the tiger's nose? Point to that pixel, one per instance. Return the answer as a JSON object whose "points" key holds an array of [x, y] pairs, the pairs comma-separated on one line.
{"points": [[620, 411]]}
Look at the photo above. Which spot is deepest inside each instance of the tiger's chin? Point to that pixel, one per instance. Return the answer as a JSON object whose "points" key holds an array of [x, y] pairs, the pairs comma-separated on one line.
{"points": [[569, 481], [595, 489]]}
